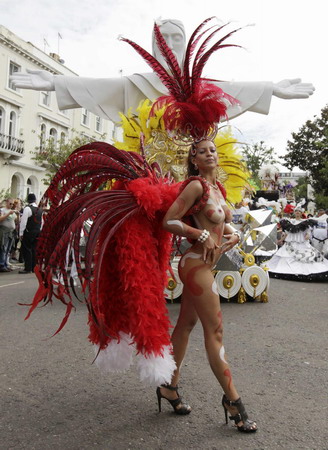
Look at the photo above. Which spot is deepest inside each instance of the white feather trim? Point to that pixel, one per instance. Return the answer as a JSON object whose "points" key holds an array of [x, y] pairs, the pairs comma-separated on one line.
{"points": [[156, 370], [117, 356]]}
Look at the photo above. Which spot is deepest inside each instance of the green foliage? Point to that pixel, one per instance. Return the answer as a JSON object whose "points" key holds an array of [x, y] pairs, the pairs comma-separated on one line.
{"points": [[321, 201], [309, 151], [300, 189], [4, 193], [258, 155], [321, 197], [52, 154]]}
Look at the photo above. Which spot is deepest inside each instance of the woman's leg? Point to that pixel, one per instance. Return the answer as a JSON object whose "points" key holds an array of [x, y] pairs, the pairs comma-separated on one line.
{"points": [[180, 337], [201, 290], [186, 321], [201, 299], [204, 295]]}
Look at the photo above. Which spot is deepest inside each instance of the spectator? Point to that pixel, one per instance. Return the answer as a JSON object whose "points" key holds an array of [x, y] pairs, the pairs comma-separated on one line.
{"points": [[29, 231], [14, 250], [239, 213], [8, 218]]}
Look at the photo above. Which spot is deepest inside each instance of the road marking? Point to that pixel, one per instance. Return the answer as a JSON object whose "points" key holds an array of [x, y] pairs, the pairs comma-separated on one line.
{"points": [[12, 284]]}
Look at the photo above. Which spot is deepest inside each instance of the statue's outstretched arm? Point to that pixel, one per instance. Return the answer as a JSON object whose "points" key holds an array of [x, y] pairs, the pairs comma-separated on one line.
{"points": [[102, 96], [292, 89], [38, 80]]}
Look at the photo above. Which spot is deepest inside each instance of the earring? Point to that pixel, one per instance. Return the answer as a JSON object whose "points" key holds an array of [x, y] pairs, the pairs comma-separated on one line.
{"points": [[196, 167]]}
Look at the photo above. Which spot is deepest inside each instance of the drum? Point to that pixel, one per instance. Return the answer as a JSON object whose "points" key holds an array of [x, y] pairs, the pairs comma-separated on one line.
{"points": [[255, 280], [228, 283], [174, 285]]}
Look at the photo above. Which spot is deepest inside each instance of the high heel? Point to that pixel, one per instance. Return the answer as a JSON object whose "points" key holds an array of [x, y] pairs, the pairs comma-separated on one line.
{"points": [[177, 404], [248, 426]]}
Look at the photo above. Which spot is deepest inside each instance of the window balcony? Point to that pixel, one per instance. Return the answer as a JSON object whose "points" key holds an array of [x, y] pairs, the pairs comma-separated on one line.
{"points": [[11, 146]]}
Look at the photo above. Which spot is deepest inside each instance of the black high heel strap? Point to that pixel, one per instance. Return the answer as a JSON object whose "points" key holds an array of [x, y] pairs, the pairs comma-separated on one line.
{"points": [[170, 387], [241, 416]]}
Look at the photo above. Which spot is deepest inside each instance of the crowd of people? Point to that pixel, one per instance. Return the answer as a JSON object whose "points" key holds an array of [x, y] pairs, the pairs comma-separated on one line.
{"points": [[19, 229]]}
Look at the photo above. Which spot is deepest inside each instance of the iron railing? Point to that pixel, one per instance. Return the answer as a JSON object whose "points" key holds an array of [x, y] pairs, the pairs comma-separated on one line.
{"points": [[11, 144]]}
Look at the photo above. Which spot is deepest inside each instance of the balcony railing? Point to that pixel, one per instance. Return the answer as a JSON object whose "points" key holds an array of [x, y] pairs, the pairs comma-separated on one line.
{"points": [[11, 145]]}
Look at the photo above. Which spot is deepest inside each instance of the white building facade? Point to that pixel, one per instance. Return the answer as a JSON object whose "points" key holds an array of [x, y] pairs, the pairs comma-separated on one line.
{"points": [[28, 118]]}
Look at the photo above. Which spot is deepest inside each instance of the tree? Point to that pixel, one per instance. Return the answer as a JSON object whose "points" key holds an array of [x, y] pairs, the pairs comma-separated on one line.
{"points": [[4, 193], [309, 151], [258, 155], [300, 189], [52, 154]]}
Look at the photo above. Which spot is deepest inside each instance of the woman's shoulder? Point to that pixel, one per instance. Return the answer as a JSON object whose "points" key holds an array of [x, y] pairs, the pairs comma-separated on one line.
{"points": [[201, 191], [198, 184]]}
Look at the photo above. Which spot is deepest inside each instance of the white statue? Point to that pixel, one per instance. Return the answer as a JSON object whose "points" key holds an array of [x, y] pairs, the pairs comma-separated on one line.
{"points": [[107, 97]]}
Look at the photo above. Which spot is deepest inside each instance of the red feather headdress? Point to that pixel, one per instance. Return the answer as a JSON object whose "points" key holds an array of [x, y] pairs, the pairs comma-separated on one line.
{"points": [[194, 105]]}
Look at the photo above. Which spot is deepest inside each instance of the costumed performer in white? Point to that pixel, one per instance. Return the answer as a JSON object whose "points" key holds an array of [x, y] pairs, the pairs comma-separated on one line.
{"points": [[107, 97], [297, 258], [319, 238]]}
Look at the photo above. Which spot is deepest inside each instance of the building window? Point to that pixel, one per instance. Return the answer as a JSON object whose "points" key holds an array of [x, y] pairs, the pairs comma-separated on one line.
{"points": [[12, 124], [45, 98], [43, 137], [85, 117], [53, 135], [62, 140], [12, 69], [2, 120], [98, 124], [12, 131], [29, 186]]}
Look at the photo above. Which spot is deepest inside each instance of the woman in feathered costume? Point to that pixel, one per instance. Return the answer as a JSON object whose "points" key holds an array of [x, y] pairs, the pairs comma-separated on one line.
{"points": [[130, 236]]}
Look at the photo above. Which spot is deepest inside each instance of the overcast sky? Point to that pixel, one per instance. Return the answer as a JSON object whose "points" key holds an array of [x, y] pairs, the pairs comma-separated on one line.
{"points": [[288, 40]]}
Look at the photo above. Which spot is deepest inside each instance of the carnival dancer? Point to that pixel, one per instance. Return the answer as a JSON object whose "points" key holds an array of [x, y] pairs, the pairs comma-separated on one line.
{"points": [[297, 258], [127, 242], [200, 297]]}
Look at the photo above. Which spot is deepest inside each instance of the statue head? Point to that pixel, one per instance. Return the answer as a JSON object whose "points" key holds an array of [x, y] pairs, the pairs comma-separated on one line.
{"points": [[174, 34]]}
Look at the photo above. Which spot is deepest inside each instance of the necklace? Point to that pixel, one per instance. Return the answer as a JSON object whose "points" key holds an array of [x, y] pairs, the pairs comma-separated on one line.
{"points": [[214, 186]]}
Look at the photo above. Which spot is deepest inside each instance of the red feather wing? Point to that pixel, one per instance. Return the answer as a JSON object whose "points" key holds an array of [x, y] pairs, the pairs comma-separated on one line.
{"points": [[167, 53], [168, 81]]}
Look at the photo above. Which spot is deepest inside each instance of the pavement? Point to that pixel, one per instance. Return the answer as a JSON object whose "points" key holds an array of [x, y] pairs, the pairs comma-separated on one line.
{"points": [[52, 396]]}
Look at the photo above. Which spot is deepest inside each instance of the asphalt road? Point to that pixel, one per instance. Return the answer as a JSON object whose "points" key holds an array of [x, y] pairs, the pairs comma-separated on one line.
{"points": [[52, 397]]}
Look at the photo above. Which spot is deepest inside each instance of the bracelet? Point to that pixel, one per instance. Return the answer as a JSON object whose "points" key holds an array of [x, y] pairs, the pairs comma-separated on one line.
{"points": [[237, 233], [205, 234]]}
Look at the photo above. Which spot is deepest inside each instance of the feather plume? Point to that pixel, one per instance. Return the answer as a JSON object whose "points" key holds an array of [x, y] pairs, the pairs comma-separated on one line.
{"points": [[191, 46], [157, 67], [194, 105], [168, 56]]}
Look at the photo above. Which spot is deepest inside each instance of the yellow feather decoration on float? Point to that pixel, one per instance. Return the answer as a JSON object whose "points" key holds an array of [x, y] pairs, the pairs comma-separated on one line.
{"points": [[171, 154]]}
